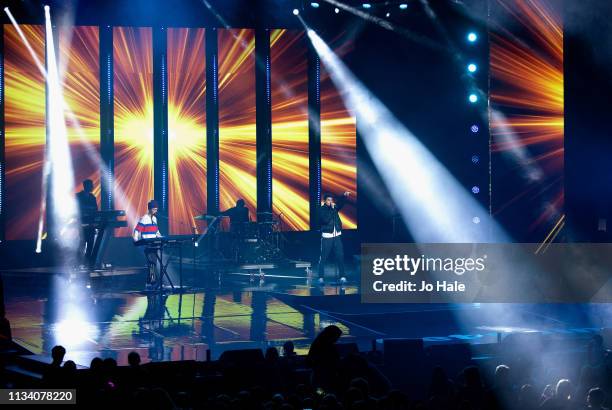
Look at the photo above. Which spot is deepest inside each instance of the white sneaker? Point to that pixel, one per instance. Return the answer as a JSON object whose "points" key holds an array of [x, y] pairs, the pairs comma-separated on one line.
{"points": [[343, 281], [321, 281]]}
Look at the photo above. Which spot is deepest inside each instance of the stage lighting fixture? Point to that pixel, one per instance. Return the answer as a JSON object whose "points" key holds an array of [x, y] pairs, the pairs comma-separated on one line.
{"points": [[46, 7], [475, 159], [476, 220], [403, 6], [474, 128], [388, 15], [366, 5], [336, 10], [473, 98], [6, 9], [296, 12], [472, 37], [314, 4], [472, 67], [475, 189]]}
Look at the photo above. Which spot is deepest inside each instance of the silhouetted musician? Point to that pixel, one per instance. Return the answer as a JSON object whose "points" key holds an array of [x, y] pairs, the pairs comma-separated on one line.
{"points": [[239, 215], [88, 206]]}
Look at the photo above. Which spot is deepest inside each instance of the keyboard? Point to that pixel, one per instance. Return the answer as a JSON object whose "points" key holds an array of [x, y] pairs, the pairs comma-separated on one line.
{"points": [[106, 219], [166, 240]]}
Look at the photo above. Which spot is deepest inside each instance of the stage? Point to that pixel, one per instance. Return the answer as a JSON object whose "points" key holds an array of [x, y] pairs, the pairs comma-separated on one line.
{"points": [[112, 316]]}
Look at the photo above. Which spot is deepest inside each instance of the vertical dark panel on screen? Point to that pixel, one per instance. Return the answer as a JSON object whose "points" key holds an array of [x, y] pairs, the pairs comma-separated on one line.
{"points": [[212, 122], [107, 138], [160, 124], [264, 124], [314, 134], [2, 133]]}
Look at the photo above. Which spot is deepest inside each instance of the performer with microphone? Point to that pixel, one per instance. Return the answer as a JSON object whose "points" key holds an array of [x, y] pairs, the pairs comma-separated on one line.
{"points": [[331, 231]]}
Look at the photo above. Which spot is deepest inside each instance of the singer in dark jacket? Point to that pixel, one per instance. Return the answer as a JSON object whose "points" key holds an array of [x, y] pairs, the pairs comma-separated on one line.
{"points": [[331, 231]]}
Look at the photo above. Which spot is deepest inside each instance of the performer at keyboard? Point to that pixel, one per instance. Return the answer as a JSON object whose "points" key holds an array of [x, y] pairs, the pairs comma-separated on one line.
{"points": [[239, 215], [147, 228], [88, 206]]}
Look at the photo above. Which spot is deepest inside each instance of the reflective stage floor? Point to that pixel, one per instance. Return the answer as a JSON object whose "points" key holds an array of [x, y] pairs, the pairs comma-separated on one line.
{"points": [[112, 318]]}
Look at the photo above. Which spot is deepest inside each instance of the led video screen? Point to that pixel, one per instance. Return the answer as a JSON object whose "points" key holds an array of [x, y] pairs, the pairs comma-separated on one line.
{"points": [[237, 134], [133, 109], [290, 166], [338, 147], [527, 117], [186, 127], [24, 110], [79, 63]]}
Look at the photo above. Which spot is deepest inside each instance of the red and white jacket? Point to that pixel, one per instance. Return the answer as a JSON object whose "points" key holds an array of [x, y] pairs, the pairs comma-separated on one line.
{"points": [[146, 228]]}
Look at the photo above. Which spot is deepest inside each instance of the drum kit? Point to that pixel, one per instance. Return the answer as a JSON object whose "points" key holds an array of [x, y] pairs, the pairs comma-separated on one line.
{"points": [[248, 242]]}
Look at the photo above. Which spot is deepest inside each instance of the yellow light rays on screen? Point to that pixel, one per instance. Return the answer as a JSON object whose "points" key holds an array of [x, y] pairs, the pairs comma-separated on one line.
{"points": [[237, 153], [133, 65], [133, 123], [289, 77], [527, 87], [79, 55], [24, 112], [338, 148], [186, 127]]}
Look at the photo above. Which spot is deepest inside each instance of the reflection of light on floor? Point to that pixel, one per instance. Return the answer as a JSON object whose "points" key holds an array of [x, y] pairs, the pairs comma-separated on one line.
{"points": [[74, 332], [507, 329]]}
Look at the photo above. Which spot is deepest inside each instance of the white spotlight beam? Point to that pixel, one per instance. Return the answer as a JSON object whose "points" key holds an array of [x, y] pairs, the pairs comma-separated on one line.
{"points": [[65, 208], [435, 207], [38, 63]]}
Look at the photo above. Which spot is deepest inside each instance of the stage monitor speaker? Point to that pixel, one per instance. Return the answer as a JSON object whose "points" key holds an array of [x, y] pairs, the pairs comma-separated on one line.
{"points": [[346, 349], [185, 367], [403, 351], [450, 353], [242, 357]]}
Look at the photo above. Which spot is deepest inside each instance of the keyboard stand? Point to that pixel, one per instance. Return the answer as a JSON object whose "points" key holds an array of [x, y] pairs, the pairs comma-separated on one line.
{"points": [[163, 268], [159, 244]]}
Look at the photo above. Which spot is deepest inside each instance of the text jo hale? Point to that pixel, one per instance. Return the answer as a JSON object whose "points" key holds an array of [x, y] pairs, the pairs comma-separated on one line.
{"points": [[423, 286]]}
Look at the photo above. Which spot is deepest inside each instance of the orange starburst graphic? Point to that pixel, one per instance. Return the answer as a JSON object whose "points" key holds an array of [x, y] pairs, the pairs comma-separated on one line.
{"points": [[186, 127], [133, 65], [290, 167], [527, 91], [237, 133], [24, 112], [338, 144], [80, 63]]}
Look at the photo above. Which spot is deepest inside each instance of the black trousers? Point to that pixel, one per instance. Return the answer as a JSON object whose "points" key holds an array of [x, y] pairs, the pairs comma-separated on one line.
{"points": [[329, 246], [86, 246], [152, 257]]}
